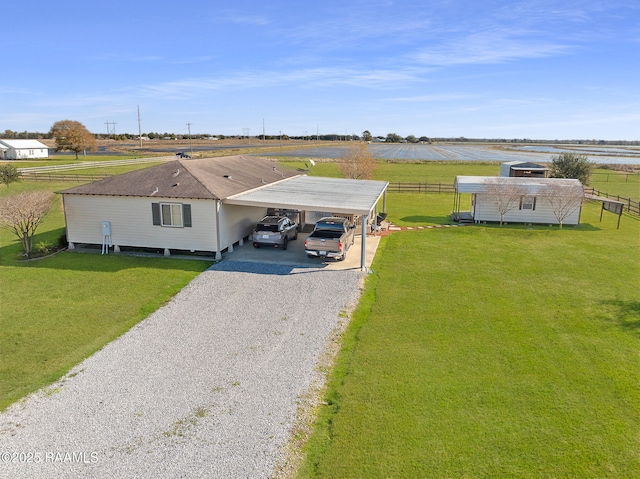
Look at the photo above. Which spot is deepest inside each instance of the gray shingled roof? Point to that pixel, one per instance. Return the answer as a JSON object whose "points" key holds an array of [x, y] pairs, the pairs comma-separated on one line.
{"points": [[207, 178]]}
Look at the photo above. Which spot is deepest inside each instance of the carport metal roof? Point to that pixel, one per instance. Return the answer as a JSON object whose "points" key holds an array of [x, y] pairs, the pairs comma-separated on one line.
{"points": [[337, 195]]}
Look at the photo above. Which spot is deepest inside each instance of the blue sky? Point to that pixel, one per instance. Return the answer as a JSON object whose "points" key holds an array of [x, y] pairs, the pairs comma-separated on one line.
{"points": [[539, 69]]}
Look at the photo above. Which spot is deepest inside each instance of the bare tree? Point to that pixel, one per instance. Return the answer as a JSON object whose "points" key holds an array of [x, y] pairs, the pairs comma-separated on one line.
{"points": [[563, 198], [72, 136], [22, 214], [358, 162], [504, 194]]}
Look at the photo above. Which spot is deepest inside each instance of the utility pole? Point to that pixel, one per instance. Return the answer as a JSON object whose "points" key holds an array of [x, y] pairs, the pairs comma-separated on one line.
{"points": [[317, 133], [264, 138], [139, 130], [190, 148]]}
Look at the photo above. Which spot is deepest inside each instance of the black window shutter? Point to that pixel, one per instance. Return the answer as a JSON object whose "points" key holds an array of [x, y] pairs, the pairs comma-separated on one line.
{"points": [[534, 202], [186, 215], [155, 212]]}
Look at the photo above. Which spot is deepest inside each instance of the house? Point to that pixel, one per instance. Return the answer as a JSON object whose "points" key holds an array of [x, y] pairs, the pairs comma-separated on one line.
{"points": [[22, 149], [205, 205], [519, 200], [523, 169]]}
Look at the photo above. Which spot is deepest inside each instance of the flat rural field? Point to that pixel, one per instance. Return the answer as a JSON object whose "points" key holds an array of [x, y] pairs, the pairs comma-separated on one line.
{"points": [[470, 152], [491, 352]]}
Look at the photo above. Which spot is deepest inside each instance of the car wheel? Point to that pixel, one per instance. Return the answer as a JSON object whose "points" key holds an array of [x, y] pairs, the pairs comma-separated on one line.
{"points": [[295, 237], [310, 256], [285, 242]]}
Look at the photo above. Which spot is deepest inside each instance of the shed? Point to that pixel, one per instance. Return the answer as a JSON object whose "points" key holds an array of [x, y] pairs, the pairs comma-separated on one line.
{"points": [[204, 204], [23, 149], [523, 169], [519, 200]]}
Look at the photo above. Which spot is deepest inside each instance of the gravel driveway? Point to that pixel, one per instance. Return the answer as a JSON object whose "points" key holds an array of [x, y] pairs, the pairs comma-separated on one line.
{"points": [[204, 387]]}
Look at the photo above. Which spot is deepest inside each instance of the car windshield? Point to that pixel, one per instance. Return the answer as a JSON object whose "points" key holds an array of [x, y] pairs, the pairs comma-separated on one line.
{"points": [[269, 227]]}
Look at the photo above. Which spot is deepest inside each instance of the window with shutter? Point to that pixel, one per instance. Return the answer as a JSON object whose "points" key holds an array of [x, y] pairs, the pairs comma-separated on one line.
{"points": [[171, 214]]}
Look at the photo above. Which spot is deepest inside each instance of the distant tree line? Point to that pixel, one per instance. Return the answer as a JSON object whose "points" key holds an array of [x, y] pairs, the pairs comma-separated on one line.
{"points": [[365, 136]]}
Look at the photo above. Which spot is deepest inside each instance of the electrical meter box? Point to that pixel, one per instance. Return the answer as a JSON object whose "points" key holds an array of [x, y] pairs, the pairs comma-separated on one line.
{"points": [[106, 228]]}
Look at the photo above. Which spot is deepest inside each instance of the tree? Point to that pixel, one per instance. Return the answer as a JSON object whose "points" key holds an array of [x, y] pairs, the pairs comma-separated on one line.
{"points": [[8, 174], [22, 214], [411, 139], [563, 199], [503, 194], [394, 138], [358, 162], [571, 165], [366, 135], [72, 136]]}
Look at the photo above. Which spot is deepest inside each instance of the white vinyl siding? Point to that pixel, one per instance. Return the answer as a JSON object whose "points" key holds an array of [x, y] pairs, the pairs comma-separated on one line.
{"points": [[484, 210], [238, 222], [132, 222]]}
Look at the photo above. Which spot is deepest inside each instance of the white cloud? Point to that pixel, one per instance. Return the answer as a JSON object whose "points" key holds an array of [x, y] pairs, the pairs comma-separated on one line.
{"points": [[489, 47]]}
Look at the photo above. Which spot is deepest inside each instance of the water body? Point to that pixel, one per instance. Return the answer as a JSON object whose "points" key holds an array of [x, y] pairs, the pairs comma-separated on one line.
{"points": [[405, 151]]}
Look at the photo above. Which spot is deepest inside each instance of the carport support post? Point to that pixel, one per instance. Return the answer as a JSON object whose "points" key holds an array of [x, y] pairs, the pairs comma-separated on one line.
{"points": [[218, 249], [363, 244]]}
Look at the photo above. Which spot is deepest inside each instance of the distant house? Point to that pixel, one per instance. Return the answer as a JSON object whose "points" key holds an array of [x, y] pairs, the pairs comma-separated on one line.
{"points": [[23, 149], [205, 205], [522, 169], [519, 200]]}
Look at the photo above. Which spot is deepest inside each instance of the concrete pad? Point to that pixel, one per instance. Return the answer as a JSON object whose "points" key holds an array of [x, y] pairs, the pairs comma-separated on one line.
{"points": [[294, 255]]}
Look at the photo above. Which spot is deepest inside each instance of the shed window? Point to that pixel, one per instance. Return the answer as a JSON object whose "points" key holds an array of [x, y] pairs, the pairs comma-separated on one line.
{"points": [[528, 203]]}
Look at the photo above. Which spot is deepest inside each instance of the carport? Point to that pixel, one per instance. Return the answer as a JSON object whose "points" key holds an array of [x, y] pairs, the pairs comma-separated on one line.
{"points": [[312, 193]]}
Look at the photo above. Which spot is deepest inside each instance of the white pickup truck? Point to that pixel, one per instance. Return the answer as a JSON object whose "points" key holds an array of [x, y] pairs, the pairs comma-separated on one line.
{"points": [[331, 238]]}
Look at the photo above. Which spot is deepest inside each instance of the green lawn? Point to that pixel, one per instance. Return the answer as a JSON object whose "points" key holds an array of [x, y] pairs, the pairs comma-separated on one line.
{"points": [[627, 185], [59, 310], [490, 352]]}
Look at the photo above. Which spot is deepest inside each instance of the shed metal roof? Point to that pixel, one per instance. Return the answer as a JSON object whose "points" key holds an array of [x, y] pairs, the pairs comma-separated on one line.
{"points": [[337, 195], [478, 184]]}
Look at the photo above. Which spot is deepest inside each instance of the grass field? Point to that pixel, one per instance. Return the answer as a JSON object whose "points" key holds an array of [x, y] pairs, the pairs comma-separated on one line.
{"points": [[490, 352], [627, 185], [475, 352], [58, 310], [433, 172]]}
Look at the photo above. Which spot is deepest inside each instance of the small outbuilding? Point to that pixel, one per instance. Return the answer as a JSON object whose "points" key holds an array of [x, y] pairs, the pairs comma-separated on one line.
{"points": [[519, 200], [523, 169], [23, 149]]}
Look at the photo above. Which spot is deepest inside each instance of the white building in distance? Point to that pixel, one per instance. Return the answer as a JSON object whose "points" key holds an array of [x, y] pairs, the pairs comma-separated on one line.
{"points": [[23, 149]]}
